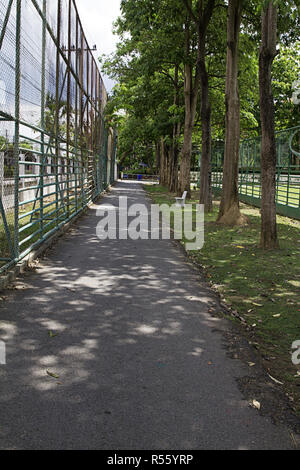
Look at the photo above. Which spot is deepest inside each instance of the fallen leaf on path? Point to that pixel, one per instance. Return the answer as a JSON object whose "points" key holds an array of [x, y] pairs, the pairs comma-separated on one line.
{"points": [[51, 374], [275, 380], [256, 404], [251, 364], [52, 335]]}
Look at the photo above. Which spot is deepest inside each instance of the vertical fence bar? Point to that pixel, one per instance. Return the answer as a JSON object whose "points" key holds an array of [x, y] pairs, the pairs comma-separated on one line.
{"points": [[5, 22], [289, 177], [248, 166], [253, 168], [88, 130], [113, 159], [68, 110], [92, 129], [105, 155], [96, 135], [278, 160], [77, 165], [81, 57], [43, 87], [17, 124], [57, 108]]}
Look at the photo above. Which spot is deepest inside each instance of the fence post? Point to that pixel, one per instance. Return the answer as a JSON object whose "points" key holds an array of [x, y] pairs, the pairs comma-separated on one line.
{"points": [[82, 152], [43, 156], [77, 153], [114, 157], [17, 126], [68, 175], [57, 106]]}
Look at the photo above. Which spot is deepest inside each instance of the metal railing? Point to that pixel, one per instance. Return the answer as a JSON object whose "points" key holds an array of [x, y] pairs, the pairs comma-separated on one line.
{"points": [[287, 177], [56, 155], [139, 177]]}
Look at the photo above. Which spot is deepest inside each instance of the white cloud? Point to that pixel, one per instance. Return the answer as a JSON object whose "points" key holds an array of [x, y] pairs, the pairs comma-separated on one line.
{"points": [[97, 18]]}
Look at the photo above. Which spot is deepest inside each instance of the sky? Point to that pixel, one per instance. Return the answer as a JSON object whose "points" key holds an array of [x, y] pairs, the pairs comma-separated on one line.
{"points": [[97, 17]]}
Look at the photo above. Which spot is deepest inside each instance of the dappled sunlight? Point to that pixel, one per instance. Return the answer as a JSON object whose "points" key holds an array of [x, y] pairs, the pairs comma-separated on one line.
{"points": [[52, 325], [144, 330], [104, 333], [196, 352], [48, 361], [7, 330]]}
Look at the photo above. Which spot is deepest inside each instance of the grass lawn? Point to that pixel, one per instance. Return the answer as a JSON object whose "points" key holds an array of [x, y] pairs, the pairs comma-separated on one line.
{"points": [[262, 286]]}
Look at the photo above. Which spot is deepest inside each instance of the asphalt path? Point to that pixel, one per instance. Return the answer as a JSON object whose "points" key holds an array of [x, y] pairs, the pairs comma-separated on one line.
{"points": [[111, 345]]}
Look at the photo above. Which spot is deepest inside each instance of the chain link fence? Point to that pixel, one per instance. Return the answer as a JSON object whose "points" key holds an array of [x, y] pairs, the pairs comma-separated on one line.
{"points": [[56, 154]]}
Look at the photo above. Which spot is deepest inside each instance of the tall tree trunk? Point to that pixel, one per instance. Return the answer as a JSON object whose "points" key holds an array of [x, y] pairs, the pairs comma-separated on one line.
{"points": [[190, 101], [205, 170], [173, 187], [185, 165], [201, 17], [173, 172], [173, 181], [229, 209], [168, 162], [163, 163], [191, 91], [157, 156], [268, 145]]}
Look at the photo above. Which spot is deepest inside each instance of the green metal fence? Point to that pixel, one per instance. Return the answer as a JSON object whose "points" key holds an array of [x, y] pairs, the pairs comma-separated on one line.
{"points": [[55, 153], [288, 171]]}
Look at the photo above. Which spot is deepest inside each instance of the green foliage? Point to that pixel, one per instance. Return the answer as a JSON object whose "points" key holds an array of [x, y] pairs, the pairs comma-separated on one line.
{"points": [[151, 44], [143, 102], [286, 70], [3, 143], [50, 115]]}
